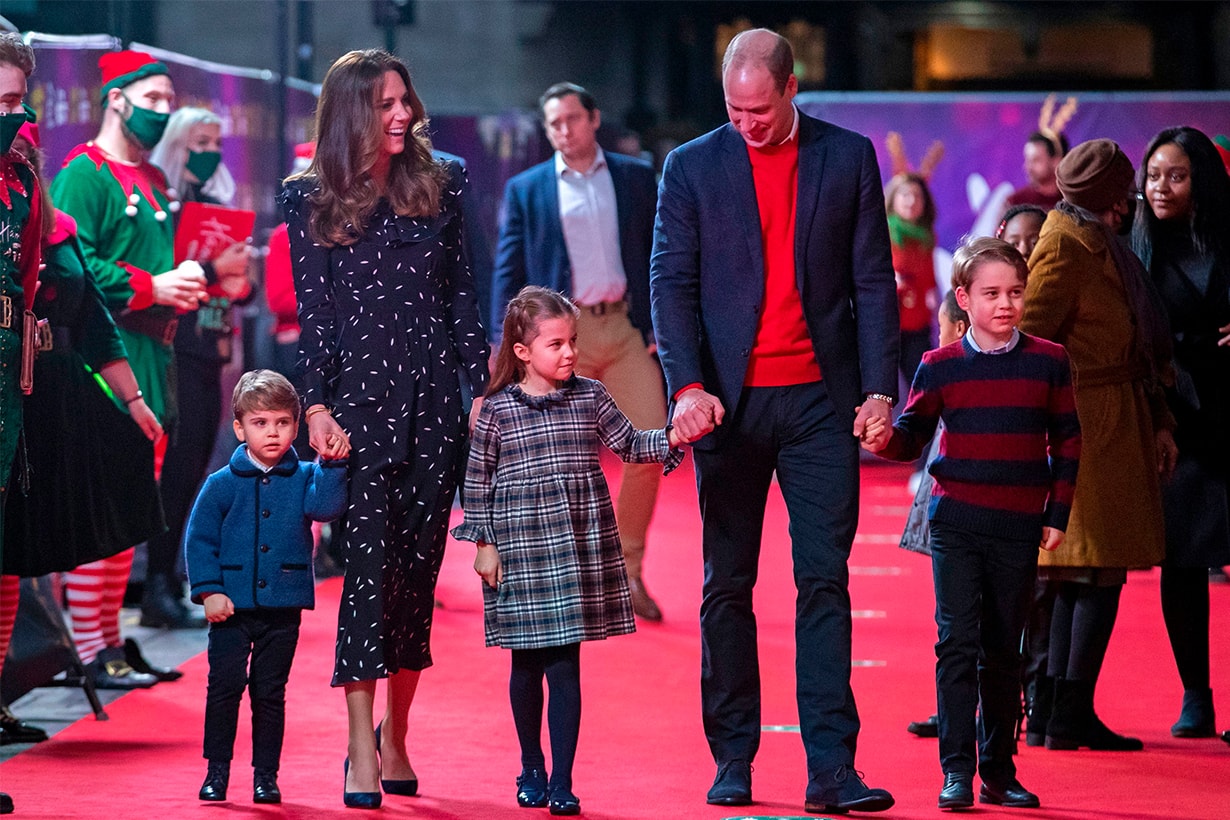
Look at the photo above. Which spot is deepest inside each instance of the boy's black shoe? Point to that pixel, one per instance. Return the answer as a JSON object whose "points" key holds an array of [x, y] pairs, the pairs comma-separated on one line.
{"points": [[216, 780], [1010, 795], [265, 786], [958, 791]]}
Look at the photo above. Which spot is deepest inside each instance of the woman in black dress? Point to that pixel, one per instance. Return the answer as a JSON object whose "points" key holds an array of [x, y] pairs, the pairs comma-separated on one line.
{"points": [[1181, 236], [390, 325]]}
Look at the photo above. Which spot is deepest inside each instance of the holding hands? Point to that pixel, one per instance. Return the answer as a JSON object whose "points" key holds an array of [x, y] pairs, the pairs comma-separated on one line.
{"points": [[325, 435], [1051, 538], [875, 433], [218, 607], [487, 565], [696, 414]]}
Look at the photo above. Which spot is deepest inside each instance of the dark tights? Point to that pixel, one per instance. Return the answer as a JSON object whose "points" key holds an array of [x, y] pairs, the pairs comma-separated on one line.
{"points": [[561, 666], [1083, 619], [1185, 606]]}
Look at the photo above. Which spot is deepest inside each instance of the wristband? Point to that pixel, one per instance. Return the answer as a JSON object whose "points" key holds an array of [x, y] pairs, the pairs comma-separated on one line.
{"points": [[886, 399], [138, 395]]}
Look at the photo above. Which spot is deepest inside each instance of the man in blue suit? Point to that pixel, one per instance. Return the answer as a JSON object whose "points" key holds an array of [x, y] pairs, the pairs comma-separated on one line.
{"points": [[775, 312], [582, 223]]}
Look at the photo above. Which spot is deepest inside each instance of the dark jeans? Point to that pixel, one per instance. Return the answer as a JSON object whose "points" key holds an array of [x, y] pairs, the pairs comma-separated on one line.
{"points": [[270, 637], [198, 398], [983, 589], [796, 432]]}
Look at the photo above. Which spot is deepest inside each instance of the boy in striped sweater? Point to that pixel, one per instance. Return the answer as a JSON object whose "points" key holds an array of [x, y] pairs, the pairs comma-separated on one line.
{"points": [[1004, 479]]}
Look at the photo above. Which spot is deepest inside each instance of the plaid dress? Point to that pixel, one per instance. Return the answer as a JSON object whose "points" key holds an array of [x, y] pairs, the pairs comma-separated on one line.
{"points": [[534, 488]]}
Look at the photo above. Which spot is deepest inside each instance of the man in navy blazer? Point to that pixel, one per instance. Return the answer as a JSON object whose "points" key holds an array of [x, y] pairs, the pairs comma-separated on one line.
{"points": [[775, 312], [582, 224]]}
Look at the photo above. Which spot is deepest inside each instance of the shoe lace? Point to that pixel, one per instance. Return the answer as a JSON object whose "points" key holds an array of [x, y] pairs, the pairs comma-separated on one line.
{"points": [[844, 772]]}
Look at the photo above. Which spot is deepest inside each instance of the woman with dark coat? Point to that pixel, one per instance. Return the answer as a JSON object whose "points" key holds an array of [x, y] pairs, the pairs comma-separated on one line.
{"points": [[1181, 238], [388, 317]]}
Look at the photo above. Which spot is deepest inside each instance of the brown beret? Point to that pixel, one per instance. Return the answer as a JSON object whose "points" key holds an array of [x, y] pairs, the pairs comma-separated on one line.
{"points": [[1095, 175]]}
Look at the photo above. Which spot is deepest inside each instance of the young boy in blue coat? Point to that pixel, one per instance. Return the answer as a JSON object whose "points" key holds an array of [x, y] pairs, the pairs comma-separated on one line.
{"points": [[249, 556]]}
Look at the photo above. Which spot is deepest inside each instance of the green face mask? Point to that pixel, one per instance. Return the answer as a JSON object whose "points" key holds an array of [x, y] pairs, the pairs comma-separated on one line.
{"points": [[202, 164], [10, 124], [145, 126]]}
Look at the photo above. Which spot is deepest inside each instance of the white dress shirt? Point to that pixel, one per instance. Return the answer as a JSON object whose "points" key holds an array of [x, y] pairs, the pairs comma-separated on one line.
{"points": [[588, 215]]}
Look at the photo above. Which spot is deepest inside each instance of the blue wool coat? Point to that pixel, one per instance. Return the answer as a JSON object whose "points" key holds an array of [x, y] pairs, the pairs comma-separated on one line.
{"points": [[250, 534]]}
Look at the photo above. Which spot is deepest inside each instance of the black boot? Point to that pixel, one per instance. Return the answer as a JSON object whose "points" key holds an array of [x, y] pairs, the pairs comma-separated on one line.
{"points": [[216, 780], [1196, 719], [265, 786], [1040, 710], [163, 607], [1074, 724]]}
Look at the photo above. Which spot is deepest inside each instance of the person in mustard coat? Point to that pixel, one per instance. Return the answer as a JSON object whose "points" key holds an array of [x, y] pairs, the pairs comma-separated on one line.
{"points": [[1088, 292]]}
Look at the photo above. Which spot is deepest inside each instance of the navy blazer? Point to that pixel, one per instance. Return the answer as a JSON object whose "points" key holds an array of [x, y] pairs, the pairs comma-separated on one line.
{"points": [[532, 251], [707, 269], [249, 536]]}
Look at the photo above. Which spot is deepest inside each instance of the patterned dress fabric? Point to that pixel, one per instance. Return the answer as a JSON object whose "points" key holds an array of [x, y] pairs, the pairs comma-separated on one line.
{"points": [[387, 325], [534, 487]]}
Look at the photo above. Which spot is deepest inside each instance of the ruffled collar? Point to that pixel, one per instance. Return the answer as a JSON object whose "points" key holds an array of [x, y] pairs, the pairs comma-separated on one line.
{"points": [[544, 401]]}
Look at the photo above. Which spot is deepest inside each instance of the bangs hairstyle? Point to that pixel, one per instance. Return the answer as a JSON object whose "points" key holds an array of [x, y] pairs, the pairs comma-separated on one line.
{"points": [[16, 52], [264, 390], [927, 220], [1210, 196], [527, 309], [349, 133], [171, 154], [976, 252]]}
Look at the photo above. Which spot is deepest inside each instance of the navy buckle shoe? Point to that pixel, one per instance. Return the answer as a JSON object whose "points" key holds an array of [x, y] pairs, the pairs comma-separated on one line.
{"points": [[532, 789], [563, 802]]}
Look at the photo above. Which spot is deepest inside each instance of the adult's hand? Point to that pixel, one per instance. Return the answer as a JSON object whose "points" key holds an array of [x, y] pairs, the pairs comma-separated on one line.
{"points": [[182, 288], [1224, 340], [327, 436], [870, 409], [696, 413], [145, 419], [233, 262]]}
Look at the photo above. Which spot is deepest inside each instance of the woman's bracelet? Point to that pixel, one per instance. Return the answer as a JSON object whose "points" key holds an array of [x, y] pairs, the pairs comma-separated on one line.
{"points": [[320, 408], [137, 395]]}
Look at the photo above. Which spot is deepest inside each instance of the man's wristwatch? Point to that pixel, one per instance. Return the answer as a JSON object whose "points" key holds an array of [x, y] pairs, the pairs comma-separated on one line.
{"points": [[886, 399]]}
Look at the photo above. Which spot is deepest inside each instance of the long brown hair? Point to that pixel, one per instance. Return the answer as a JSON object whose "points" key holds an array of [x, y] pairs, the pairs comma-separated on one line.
{"points": [[348, 136], [527, 309]]}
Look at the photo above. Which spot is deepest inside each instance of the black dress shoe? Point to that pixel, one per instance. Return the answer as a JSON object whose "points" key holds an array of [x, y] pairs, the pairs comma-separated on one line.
{"points": [[13, 730], [843, 791], [6, 804], [216, 779], [1011, 795], [563, 802], [958, 791], [132, 654], [733, 784], [925, 728], [532, 789], [265, 786], [110, 671]]}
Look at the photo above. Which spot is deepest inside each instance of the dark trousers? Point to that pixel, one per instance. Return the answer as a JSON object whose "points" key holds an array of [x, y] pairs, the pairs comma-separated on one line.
{"points": [[983, 589], [198, 397], [269, 636], [796, 432]]}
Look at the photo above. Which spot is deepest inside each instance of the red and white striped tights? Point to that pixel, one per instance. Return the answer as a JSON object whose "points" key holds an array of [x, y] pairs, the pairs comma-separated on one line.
{"points": [[95, 593]]}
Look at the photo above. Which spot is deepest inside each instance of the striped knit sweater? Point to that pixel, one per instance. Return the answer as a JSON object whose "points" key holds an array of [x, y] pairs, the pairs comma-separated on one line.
{"points": [[1003, 415]]}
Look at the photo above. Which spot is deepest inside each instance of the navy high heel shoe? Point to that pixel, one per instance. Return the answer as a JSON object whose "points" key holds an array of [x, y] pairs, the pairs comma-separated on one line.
{"points": [[357, 800], [402, 788]]}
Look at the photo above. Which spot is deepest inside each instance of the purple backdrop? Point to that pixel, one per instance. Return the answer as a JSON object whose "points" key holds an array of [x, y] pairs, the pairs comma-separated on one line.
{"points": [[983, 135]]}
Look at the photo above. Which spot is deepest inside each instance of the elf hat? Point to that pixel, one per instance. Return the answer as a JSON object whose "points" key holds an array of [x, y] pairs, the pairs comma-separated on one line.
{"points": [[122, 68]]}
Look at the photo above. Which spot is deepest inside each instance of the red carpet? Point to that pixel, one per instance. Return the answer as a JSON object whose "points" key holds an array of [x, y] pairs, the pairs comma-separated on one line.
{"points": [[642, 753]]}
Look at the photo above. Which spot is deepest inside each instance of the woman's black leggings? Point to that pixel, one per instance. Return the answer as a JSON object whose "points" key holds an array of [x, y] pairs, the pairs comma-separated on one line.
{"points": [[1083, 618], [1185, 606]]}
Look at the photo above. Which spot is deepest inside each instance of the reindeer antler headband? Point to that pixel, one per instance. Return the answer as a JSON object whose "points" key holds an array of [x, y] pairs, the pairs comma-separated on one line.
{"points": [[901, 163], [1051, 122]]}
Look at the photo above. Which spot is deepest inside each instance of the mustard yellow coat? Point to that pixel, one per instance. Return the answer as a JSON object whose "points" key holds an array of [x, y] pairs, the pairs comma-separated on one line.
{"points": [[1075, 296]]}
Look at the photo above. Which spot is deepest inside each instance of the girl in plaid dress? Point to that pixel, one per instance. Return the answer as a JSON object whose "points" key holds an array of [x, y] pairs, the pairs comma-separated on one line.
{"points": [[537, 505]]}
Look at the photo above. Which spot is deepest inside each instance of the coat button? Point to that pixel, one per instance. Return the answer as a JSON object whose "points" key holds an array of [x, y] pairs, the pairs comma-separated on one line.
{"points": [[265, 480], [264, 548], [264, 513], [261, 583]]}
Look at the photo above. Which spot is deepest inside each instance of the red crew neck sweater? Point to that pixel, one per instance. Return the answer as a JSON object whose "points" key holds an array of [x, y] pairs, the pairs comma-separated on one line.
{"points": [[783, 352]]}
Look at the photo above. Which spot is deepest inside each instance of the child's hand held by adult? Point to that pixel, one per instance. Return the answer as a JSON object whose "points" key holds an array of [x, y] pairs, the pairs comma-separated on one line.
{"points": [[487, 565]]}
